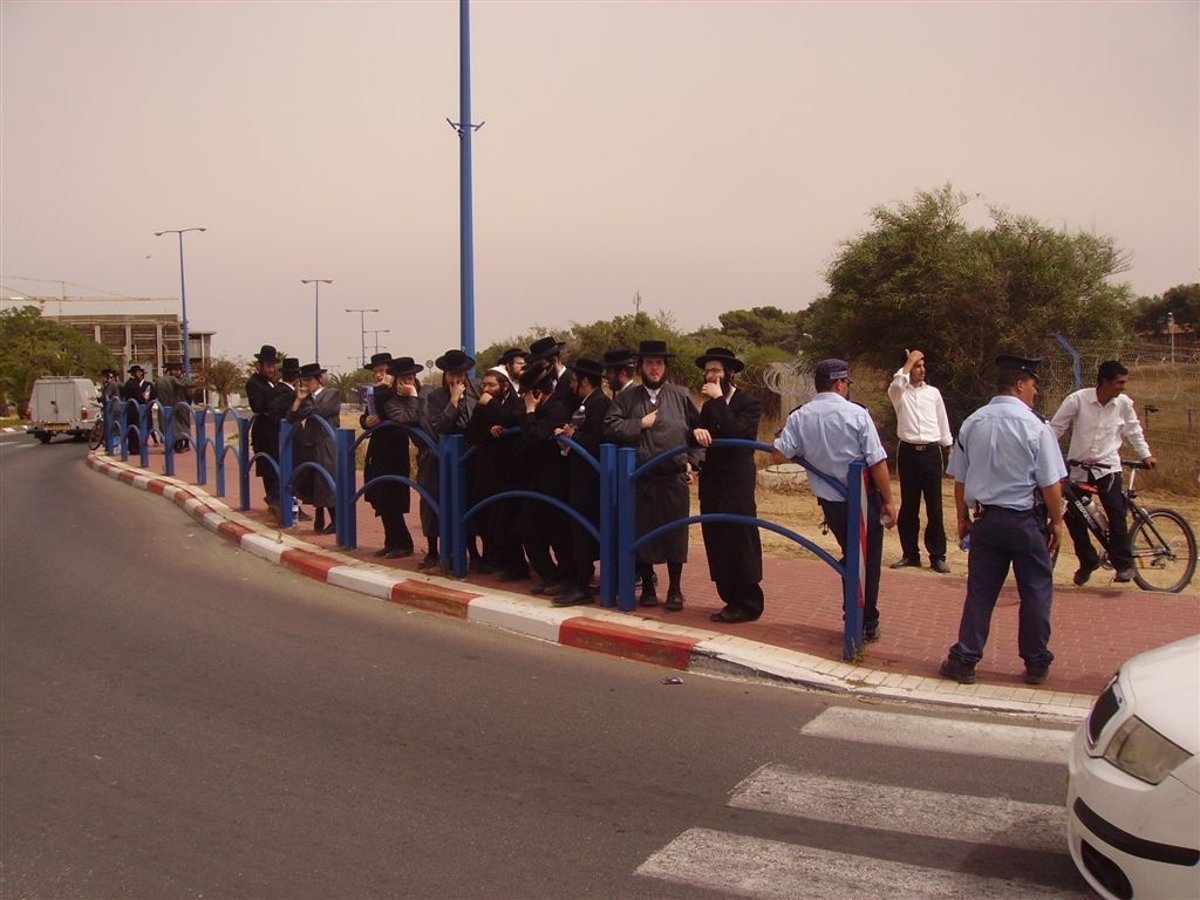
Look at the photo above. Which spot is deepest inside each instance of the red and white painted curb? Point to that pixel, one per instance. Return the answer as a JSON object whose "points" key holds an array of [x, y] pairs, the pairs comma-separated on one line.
{"points": [[605, 631]]}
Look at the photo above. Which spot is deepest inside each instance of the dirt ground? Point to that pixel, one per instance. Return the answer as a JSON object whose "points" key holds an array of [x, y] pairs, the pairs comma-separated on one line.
{"points": [[797, 508]]}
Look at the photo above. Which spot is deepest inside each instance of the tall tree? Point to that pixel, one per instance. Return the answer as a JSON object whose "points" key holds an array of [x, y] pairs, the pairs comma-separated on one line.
{"points": [[921, 277], [32, 346], [1182, 301]]}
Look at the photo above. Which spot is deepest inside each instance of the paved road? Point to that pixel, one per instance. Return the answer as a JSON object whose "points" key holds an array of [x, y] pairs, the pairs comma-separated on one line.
{"points": [[182, 720]]}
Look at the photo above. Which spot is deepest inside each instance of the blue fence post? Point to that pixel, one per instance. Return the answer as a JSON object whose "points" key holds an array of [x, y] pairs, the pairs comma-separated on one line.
{"points": [[856, 536], [607, 524], [168, 441], [286, 501], [219, 449], [346, 488], [243, 463], [112, 421], [626, 527], [144, 434], [202, 445], [452, 498]]}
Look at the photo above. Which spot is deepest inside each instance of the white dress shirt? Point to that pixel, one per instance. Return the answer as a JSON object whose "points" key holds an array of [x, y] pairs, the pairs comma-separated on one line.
{"points": [[920, 412], [1096, 431]]}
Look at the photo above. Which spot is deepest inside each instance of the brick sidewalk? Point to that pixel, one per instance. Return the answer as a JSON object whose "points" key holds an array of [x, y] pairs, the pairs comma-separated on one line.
{"points": [[1094, 628]]}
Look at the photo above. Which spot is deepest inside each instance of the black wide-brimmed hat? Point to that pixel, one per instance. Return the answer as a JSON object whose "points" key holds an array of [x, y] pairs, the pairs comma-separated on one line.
{"points": [[312, 370], [135, 368], [454, 361], [583, 366], [290, 368], [538, 375], [510, 354], [378, 359], [267, 354], [620, 359], [546, 347], [1028, 365], [656, 349], [404, 365], [113, 372], [723, 356]]}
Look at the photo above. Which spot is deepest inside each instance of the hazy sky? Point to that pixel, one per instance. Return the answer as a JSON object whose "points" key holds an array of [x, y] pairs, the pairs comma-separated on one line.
{"points": [[709, 155]]}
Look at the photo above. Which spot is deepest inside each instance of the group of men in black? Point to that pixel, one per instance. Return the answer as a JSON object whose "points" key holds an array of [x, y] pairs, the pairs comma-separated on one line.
{"points": [[172, 391], [514, 417]]}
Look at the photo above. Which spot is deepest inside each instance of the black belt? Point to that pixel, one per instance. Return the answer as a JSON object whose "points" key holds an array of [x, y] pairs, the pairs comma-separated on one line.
{"points": [[981, 508], [918, 447]]}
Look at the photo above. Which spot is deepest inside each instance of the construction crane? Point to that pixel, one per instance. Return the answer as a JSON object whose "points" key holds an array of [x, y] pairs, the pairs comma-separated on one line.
{"points": [[17, 295]]}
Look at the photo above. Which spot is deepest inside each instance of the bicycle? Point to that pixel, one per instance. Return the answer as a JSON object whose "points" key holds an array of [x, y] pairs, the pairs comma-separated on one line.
{"points": [[1162, 541]]}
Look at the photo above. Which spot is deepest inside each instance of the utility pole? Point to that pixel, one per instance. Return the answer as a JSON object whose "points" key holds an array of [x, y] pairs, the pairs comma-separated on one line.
{"points": [[465, 129], [316, 283], [362, 330]]}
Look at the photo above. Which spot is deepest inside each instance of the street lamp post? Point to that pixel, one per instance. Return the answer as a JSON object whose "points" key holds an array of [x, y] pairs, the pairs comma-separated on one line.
{"points": [[316, 283], [362, 330], [377, 332], [1171, 334], [187, 349]]}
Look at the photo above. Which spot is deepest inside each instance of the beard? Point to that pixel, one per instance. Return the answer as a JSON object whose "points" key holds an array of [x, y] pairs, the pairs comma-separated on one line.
{"points": [[654, 384]]}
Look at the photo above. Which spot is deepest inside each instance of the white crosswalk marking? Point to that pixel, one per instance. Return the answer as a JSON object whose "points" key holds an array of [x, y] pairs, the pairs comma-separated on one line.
{"points": [[945, 735], [984, 820], [755, 867]]}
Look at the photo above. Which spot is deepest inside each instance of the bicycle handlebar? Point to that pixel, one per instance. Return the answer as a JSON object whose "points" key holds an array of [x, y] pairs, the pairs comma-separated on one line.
{"points": [[1091, 467]]}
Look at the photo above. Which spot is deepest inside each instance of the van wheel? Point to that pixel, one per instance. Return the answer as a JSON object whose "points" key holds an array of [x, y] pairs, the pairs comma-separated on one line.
{"points": [[43, 437]]}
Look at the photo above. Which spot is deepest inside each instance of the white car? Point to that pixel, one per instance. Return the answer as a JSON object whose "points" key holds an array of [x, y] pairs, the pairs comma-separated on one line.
{"points": [[1133, 795]]}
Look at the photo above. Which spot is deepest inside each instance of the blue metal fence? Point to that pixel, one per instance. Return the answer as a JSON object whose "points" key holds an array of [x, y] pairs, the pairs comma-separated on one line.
{"points": [[617, 468]]}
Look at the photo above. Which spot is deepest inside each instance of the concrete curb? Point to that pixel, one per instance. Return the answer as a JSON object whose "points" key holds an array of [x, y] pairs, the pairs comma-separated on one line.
{"points": [[605, 631]]}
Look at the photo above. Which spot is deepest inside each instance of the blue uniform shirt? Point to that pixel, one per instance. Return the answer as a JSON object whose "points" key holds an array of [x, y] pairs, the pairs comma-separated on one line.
{"points": [[830, 432], [1003, 453]]}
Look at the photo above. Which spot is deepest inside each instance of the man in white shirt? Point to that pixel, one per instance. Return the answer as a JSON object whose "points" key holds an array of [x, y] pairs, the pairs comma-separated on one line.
{"points": [[923, 429], [1099, 418]]}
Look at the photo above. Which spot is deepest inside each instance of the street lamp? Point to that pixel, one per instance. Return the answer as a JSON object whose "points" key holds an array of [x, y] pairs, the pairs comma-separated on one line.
{"points": [[1171, 334], [362, 330], [316, 283], [187, 349], [377, 332]]}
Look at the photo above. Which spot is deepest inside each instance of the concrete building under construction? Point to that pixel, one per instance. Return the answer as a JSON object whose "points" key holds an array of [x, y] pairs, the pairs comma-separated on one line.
{"points": [[147, 339]]}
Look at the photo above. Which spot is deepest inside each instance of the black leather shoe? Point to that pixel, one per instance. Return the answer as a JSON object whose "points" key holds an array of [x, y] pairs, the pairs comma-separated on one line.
{"points": [[939, 566], [557, 589], [399, 553], [1125, 575], [648, 597], [429, 561], [871, 635], [331, 528], [383, 552], [733, 615], [963, 673], [674, 601], [904, 563], [576, 597], [1082, 574], [1036, 674]]}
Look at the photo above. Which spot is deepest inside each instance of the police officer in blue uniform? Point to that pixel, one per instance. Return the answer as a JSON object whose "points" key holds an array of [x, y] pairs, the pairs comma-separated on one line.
{"points": [[1005, 458]]}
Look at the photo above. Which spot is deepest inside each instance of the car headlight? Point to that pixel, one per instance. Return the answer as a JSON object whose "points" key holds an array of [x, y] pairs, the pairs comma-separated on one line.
{"points": [[1140, 751]]}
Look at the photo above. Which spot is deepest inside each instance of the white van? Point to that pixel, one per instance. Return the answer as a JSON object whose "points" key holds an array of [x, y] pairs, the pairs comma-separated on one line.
{"points": [[61, 404]]}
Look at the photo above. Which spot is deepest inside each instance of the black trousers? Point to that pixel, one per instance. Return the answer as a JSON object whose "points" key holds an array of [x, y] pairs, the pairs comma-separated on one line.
{"points": [[1117, 509], [920, 477], [835, 517]]}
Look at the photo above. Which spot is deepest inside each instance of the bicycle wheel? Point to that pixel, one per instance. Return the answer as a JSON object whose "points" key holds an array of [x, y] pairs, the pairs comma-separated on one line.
{"points": [[1164, 551], [96, 435]]}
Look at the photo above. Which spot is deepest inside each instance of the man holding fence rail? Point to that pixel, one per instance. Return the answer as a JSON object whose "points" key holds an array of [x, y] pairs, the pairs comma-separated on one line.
{"points": [[1099, 418], [830, 432]]}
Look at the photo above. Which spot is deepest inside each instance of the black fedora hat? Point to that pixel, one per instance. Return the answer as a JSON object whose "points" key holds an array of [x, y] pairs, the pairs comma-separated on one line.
{"points": [[538, 375], [312, 370], [656, 349], [135, 368], [590, 367], [546, 347], [454, 361], [723, 356], [620, 359], [379, 359], [290, 368], [510, 354], [404, 365], [267, 354]]}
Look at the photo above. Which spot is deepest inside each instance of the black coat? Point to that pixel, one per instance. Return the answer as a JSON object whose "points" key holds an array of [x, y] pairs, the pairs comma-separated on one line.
{"points": [[311, 443], [727, 483], [497, 460], [387, 449], [264, 427]]}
